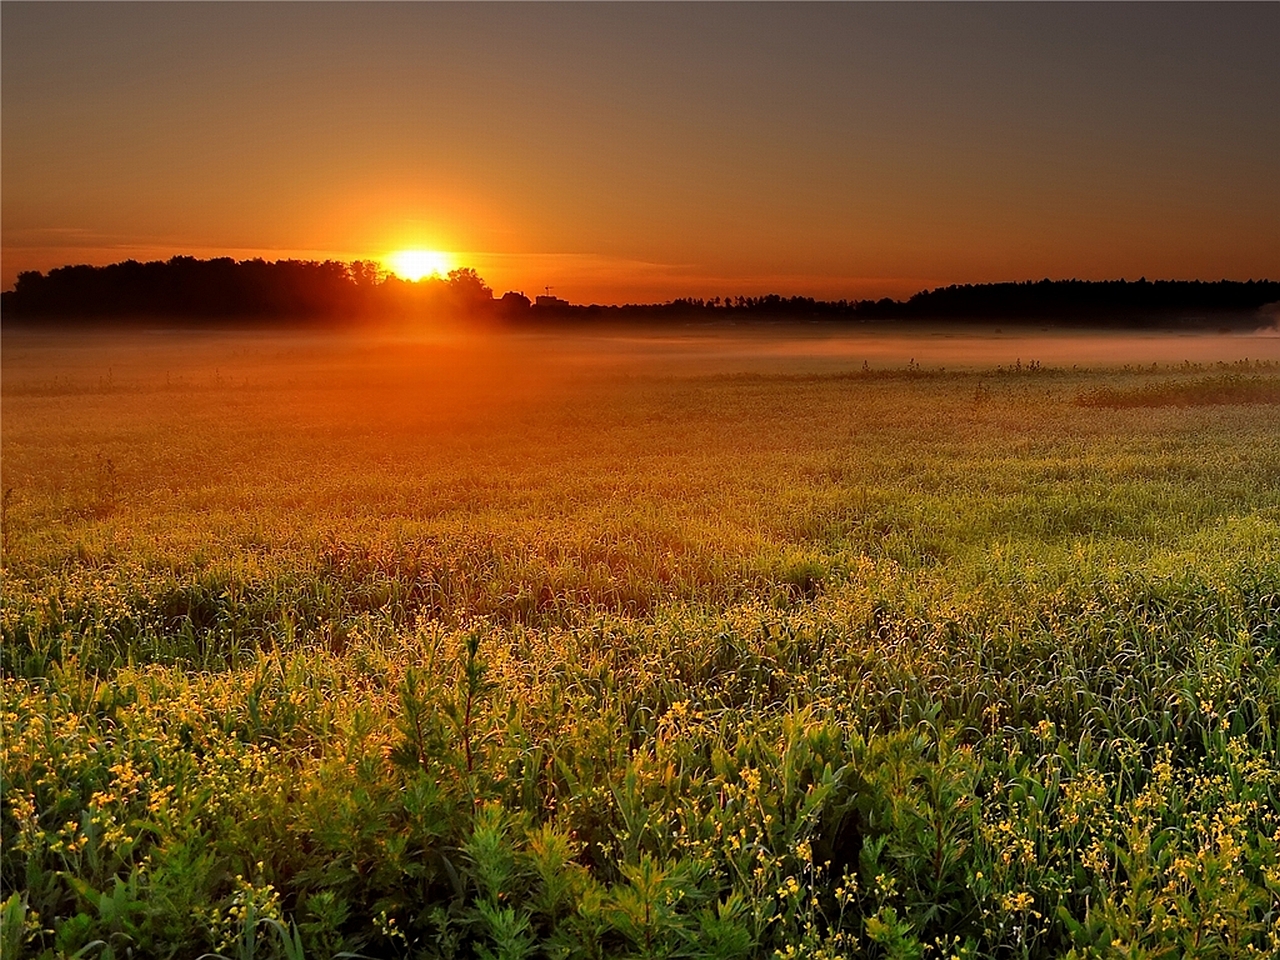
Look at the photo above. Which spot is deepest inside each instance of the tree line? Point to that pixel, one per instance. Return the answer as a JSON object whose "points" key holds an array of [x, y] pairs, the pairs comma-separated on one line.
{"points": [[1062, 301], [252, 291], [189, 290]]}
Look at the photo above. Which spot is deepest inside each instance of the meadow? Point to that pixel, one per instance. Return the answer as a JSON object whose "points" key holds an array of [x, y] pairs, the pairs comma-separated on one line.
{"points": [[703, 644]]}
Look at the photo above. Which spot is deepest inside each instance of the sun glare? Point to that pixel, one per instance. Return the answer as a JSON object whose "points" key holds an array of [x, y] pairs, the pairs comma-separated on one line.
{"points": [[416, 264]]}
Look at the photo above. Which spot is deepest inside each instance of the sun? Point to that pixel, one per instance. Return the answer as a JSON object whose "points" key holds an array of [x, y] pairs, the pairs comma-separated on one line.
{"points": [[416, 264]]}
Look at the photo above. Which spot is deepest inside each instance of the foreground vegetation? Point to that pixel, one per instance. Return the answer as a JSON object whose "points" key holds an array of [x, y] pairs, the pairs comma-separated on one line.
{"points": [[461, 651]]}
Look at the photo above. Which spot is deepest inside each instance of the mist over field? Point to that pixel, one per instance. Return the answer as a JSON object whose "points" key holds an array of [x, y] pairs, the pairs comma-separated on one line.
{"points": [[799, 348], [481, 389], [717, 642], [498, 362]]}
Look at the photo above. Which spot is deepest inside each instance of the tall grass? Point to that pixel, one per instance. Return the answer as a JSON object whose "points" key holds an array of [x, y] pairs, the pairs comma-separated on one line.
{"points": [[863, 665], [1228, 388]]}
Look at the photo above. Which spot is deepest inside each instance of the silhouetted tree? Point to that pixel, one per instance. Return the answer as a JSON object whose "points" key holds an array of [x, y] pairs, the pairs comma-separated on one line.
{"points": [[187, 290], [466, 287]]}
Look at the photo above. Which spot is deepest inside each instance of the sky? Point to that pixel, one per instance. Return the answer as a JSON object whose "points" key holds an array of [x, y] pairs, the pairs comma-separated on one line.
{"points": [[640, 152]]}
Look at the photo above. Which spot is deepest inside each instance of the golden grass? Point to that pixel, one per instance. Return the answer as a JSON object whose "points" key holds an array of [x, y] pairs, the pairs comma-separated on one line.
{"points": [[563, 645]]}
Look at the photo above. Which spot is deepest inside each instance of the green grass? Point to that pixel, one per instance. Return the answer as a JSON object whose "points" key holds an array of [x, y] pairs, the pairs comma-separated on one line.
{"points": [[536, 649]]}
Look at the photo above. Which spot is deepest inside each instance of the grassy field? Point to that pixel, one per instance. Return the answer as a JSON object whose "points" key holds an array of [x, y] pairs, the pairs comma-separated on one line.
{"points": [[685, 646]]}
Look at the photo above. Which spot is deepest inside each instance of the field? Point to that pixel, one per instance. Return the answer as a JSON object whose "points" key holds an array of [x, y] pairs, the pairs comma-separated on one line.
{"points": [[767, 644]]}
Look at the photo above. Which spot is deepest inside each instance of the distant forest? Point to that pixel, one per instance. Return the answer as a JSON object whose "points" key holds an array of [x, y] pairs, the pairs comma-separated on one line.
{"points": [[192, 291], [189, 291]]}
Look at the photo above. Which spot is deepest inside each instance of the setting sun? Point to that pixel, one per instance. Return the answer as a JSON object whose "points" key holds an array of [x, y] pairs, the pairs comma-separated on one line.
{"points": [[416, 264]]}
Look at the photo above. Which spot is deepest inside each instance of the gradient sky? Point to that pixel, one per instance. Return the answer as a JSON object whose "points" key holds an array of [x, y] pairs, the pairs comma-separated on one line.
{"points": [[642, 152]]}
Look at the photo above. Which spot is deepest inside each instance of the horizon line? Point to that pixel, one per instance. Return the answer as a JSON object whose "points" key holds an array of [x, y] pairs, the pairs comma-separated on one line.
{"points": [[390, 274]]}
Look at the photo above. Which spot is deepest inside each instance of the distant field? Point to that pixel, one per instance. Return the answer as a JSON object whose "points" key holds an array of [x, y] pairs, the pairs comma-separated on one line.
{"points": [[724, 643]]}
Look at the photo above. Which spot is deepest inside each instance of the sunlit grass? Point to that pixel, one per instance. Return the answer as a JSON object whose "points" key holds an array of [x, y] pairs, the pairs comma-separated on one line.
{"points": [[321, 652]]}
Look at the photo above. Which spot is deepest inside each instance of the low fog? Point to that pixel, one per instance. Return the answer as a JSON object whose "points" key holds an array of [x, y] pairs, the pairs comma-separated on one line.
{"points": [[452, 379]]}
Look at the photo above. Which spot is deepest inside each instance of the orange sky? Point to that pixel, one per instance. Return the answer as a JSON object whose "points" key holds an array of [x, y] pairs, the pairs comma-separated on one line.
{"points": [[642, 152]]}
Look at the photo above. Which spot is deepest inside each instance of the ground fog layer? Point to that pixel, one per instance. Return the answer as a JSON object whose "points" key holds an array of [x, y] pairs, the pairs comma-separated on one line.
{"points": [[724, 644]]}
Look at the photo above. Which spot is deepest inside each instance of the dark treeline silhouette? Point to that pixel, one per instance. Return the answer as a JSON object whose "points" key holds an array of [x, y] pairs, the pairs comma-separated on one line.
{"points": [[1064, 302], [1097, 298], [250, 291], [186, 290]]}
